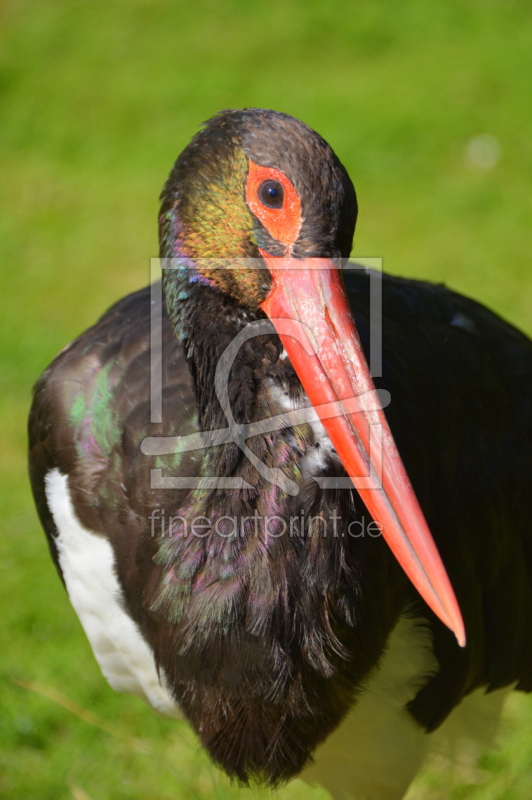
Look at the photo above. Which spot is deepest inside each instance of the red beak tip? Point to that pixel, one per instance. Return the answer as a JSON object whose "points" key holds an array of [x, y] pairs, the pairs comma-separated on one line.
{"points": [[453, 620], [460, 634]]}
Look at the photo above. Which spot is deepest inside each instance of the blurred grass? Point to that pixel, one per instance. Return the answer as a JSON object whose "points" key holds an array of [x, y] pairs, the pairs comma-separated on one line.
{"points": [[96, 101]]}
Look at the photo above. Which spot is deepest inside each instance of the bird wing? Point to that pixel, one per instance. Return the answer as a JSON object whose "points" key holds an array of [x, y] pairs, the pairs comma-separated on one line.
{"points": [[90, 413], [460, 380]]}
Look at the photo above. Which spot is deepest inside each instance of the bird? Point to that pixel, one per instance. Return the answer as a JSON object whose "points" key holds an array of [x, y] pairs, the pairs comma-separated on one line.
{"points": [[318, 567]]}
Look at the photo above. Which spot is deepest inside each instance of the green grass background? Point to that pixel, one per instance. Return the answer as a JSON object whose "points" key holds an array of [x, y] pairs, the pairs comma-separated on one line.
{"points": [[96, 101]]}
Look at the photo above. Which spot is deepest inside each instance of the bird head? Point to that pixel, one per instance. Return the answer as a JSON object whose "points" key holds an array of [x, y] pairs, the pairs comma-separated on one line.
{"points": [[255, 183], [259, 207]]}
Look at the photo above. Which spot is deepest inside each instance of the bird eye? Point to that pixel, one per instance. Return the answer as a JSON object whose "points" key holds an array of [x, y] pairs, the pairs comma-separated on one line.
{"points": [[271, 194]]}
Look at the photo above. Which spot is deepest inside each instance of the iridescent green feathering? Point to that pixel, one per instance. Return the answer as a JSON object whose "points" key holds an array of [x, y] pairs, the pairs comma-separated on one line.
{"points": [[206, 225]]}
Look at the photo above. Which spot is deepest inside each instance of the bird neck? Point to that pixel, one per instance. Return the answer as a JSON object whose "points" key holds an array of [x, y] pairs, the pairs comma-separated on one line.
{"points": [[206, 321]]}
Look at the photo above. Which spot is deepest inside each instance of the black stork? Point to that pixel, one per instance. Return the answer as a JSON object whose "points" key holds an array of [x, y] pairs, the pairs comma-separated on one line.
{"points": [[268, 609]]}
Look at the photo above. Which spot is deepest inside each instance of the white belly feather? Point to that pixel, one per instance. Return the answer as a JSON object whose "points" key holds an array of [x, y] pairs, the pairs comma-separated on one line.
{"points": [[88, 565]]}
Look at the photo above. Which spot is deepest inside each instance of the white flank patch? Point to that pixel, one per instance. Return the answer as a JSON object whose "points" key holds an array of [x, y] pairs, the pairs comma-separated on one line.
{"points": [[379, 748], [88, 565]]}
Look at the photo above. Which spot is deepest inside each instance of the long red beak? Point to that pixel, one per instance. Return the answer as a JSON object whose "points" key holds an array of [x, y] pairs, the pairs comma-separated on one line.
{"points": [[331, 366]]}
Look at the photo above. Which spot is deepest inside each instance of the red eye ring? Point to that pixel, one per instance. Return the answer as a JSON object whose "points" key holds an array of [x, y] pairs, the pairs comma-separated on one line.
{"points": [[283, 222]]}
